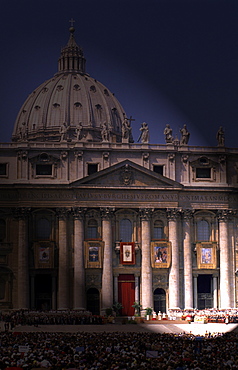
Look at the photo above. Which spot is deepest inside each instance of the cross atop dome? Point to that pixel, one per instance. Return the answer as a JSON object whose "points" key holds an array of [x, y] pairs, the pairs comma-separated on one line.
{"points": [[72, 29], [72, 21]]}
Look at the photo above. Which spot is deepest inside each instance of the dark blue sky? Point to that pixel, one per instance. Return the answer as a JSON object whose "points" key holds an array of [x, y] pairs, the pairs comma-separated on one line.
{"points": [[167, 61]]}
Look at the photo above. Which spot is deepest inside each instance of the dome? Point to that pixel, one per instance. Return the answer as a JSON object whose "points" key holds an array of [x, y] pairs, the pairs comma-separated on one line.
{"points": [[71, 106]]}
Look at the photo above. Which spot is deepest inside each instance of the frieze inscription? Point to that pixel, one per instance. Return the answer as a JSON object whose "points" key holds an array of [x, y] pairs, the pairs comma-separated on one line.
{"points": [[117, 195]]}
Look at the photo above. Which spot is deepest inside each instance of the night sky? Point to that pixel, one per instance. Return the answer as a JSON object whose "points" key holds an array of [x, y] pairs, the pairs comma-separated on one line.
{"points": [[167, 61]]}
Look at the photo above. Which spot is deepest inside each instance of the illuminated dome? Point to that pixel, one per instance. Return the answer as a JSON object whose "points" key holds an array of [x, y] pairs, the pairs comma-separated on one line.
{"points": [[71, 102]]}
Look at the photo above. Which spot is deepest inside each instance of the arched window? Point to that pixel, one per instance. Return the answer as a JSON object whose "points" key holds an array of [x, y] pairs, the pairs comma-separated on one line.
{"points": [[92, 230], [2, 230], [43, 228], [158, 232], [203, 231], [125, 230]]}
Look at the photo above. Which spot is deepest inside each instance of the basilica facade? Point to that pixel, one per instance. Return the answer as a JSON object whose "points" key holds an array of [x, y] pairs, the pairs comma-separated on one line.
{"points": [[89, 218]]}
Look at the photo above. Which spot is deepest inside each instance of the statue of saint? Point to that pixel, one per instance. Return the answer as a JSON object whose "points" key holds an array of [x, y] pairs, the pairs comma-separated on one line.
{"points": [[63, 131], [105, 132], [127, 130], [220, 137], [185, 135], [78, 131], [144, 135], [168, 134]]}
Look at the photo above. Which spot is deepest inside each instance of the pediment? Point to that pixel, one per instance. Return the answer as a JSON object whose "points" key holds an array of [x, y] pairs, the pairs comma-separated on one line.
{"points": [[127, 174]]}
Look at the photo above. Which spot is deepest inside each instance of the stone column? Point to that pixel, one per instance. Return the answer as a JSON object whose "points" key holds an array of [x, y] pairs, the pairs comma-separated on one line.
{"points": [[107, 274], [137, 291], [195, 290], [23, 262], [79, 268], [63, 272], [225, 295], [187, 252], [215, 291], [173, 215], [146, 270]]}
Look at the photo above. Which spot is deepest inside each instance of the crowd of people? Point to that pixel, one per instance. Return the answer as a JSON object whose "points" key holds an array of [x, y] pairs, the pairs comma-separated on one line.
{"points": [[14, 318], [113, 351], [209, 315], [26, 317]]}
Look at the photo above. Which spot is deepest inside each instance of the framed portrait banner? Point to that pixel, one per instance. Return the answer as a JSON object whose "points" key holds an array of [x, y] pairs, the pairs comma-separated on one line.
{"points": [[127, 253], [44, 254], [206, 255], [93, 253], [160, 254]]}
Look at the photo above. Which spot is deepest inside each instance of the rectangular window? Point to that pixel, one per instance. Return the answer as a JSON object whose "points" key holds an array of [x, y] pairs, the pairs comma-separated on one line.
{"points": [[158, 169], [3, 169], [203, 173], [92, 168], [44, 170]]}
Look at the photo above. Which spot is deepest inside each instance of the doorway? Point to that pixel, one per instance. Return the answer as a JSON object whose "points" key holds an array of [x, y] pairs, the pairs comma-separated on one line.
{"points": [[159, 300], [93, 301], [126, 293], [43, 292], [205, 296]]}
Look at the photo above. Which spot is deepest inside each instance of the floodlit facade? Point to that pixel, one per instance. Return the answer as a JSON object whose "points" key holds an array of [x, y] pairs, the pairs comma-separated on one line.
{"points": [[88, 218]]}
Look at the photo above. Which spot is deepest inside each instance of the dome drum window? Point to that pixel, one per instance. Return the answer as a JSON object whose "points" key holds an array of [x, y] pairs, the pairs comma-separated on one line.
{"points": [[44, 165], [77, 104], [60, 88], [43, 169], [56, 105], [204, 169], [93, 88], [76, 87]]}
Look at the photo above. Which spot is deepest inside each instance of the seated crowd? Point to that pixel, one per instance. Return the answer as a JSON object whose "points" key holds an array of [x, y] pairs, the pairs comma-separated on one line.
{"points": [[113, 351], [26, 317]]}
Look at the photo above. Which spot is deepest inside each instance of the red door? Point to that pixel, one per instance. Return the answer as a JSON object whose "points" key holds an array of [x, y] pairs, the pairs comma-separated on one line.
{"points": [[126, 293]]}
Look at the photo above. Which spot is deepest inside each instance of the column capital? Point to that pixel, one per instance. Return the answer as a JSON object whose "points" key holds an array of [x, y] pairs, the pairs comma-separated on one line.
{"points": [[173, 213], [107, 212], [21, 212], [78, 154], [224, 215], [78, 212], [62, 213], [146, 213], [187, 214]]}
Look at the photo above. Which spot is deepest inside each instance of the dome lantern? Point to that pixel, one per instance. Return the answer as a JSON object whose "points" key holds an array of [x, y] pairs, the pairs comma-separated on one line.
{"points": [[71, 58]]}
